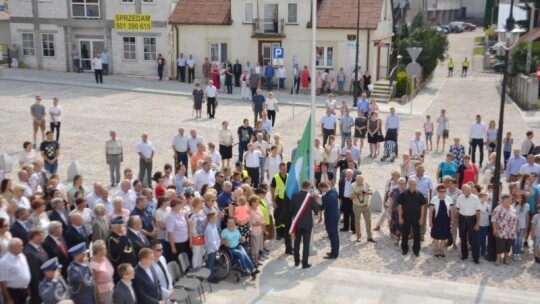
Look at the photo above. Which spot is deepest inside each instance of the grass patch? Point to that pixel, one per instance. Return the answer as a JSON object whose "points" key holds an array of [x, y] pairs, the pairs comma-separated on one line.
{"points": [[479, 39], [478, 51]]}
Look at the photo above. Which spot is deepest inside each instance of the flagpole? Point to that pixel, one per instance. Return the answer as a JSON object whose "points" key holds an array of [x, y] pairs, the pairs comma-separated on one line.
{"points": [[312, 249]]}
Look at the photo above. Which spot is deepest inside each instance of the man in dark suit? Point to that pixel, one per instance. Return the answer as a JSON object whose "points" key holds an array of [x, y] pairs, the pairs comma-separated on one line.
{"points": [[123, 292], [135, 234], [330, 206], [302, 204], [237, 71], [59, 212], [76, 233], [146, 282], [55, 246], [36, 256], [19, 228]]}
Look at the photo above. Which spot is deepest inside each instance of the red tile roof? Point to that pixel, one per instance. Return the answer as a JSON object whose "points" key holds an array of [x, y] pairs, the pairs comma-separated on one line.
{"points": [[202, 12], [341, 14]]}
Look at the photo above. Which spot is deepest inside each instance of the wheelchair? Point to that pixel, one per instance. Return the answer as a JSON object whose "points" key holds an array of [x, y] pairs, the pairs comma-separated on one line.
{"points": [[226, 262]]}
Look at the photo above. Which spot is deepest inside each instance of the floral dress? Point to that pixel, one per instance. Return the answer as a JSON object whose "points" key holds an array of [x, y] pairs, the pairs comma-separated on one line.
{"points": [[506, 219], [395, 227], [458, 152]]}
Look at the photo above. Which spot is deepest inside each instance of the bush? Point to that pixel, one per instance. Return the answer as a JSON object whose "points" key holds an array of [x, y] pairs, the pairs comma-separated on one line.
{"points": [[401, 83], [491, 33]]}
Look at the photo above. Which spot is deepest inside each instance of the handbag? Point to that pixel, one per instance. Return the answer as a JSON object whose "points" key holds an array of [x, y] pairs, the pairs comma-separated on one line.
{"points": [[445, 133], [198, 240]]}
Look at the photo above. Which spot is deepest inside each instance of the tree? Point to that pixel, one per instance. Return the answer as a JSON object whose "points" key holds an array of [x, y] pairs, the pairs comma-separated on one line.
{"points": [[419, 21], [490, 8], [519, 58], [434, 45]]}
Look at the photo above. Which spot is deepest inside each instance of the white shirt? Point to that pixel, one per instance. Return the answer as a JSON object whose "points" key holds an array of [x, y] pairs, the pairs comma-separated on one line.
{"points": [[27, 158], [190, 62], [267, 126], [145, 148], [347, 188], [14, 270], [216, 158], [331, 104], [478, 131], [262, 146], [318, 154], [92, 199], [417, 147], [272, 164], [468, 206], [56, 110], [202, 177], [328, 122], [528, 169], [181, 61], [271, 104], [35, 182], [192, 143], [113, 147], [22, 203], [128, 199], [180, 143], [210, 91], [257, 69], [98, 64], [282, 73], [252, 158], [392, 122]]}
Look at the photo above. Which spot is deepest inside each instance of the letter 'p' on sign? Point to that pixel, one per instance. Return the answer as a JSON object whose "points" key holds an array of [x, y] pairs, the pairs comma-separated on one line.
{"points": [[278, 53]]}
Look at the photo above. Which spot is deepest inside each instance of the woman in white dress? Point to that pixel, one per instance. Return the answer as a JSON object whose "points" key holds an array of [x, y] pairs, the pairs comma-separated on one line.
{"points": [[272, 162], [331, 152], [246, 93]]}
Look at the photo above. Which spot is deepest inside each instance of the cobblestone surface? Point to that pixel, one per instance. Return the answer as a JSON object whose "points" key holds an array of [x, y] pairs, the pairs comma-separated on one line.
{"points": [[89, 113]]}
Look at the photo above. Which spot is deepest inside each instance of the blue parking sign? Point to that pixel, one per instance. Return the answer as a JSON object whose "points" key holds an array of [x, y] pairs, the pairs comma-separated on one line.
{"points": [[278, 53]]}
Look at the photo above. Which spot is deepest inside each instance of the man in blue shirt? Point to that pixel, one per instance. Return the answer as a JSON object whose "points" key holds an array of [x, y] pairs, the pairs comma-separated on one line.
{"points": [[269, 74], [364, 105], [258, 105], [105, 62], [148, 228], [330, 205]]}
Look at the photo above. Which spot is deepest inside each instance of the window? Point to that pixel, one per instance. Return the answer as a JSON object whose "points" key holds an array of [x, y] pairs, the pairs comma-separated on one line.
{"points": [[28, 44], [249, 12], [85, 9], [149, 48], [292, 13], [130, 51], [48, 45], [126, 1], [218, 52], [325, 56], [148, 1]]}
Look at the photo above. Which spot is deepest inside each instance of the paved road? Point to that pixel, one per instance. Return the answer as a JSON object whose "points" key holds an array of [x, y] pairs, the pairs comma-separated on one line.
{"points": [[365, 273]]}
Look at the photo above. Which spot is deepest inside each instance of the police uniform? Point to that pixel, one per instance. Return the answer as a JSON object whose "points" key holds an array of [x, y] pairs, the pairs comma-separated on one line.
{"points": [[53, 291], [120, 249], [80, 278]]}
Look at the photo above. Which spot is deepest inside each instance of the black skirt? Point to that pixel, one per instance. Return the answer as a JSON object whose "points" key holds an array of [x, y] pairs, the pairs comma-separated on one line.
{"points": [[226, 152]]}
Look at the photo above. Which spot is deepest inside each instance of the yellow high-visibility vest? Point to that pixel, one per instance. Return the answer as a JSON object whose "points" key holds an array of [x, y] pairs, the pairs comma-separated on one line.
{"points": [[450, 64], [466, 64], [280, 186], [264, 209]]}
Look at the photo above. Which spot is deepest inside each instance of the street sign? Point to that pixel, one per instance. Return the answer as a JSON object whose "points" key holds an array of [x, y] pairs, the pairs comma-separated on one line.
{"points": [[414, 52], [413, 69], [276, 61], [277, 53], [378, 43]]}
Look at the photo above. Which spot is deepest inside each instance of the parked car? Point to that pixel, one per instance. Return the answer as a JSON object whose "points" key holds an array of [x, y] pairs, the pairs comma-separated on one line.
{"points": [[498, 67], [469, 26], [441, 29], [456, 27], [445, 29]]}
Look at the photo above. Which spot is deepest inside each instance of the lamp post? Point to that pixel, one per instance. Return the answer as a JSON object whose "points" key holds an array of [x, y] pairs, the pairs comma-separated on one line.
{"points": [[356, 88], [511, 38]]}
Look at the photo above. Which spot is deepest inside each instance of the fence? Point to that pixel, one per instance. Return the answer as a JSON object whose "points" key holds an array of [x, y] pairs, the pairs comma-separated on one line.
{"points": [[524, 91]]}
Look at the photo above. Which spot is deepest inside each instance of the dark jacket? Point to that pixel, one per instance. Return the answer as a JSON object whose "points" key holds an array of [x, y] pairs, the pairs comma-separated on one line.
{"points": [[17, 230], [138, 244], [73, 237], [306, 221], [55, 216], [122, 295], [35, 260], [330, 205], [147, 291], [53, 250]]}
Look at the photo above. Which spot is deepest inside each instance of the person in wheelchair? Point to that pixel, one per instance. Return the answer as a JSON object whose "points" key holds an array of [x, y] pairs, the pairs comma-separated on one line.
{"points": [[232, 239]]}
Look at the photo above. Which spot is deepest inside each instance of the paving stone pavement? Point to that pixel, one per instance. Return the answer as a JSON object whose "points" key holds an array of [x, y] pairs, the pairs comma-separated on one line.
{"points": [[365, 272]]}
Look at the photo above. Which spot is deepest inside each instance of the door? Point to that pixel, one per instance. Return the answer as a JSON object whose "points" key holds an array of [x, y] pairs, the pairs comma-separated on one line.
{"points": [[88, 48], [265, 51], [270, 11]]}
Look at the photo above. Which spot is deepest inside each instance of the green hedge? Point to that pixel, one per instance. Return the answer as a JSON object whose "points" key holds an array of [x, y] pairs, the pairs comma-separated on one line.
{"points": [[402, 78]]}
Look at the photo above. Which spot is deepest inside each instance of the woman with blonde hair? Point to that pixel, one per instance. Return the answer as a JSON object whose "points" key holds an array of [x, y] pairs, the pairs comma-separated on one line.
{"points": [[103, 272], [197, 225]]}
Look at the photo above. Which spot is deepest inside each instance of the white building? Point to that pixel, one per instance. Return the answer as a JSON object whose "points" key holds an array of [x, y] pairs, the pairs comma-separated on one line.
{"points": [[46, 31], [440, 11], [247, 30]]}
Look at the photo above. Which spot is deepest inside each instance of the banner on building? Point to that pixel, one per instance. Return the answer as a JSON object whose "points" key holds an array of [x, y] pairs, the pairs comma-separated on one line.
{"points": [[132, 22]]}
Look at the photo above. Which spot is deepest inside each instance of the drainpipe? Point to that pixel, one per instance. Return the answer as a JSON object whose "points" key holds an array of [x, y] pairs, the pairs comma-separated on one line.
{"points": [[177, 47], [368, 46]]}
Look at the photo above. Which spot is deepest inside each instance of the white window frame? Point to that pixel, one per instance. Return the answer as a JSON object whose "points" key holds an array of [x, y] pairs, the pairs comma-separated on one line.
{"points": [[244, 20], [220, 51], [133, 44], [325, 57], [150, 53], [43, 40], [26, 49], [287, 16], [86, 4]]}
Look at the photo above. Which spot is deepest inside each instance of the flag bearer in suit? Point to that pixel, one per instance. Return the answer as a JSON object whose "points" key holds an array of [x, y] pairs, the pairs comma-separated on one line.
{"points": [[303, 204]]}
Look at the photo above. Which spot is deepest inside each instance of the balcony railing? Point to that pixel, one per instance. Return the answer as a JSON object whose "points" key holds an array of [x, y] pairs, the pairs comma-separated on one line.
{"points": [[268, 27]]}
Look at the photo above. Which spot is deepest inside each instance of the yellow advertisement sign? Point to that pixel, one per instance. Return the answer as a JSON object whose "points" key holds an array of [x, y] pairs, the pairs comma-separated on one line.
{"points": [[132, 22]]}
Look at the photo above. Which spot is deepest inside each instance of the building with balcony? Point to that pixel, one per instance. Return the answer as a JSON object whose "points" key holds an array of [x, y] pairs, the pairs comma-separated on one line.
{"points": [[48, 32], [248, 30]]}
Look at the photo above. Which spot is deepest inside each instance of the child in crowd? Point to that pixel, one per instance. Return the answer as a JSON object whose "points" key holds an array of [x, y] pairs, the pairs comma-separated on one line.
{"points": [[241, 217], [227, 173], [485, 212], [256, 220], [216, 157], [212, 243], [267, 212], [522, 209], [535, 235], [333, 86], [428, 130]]}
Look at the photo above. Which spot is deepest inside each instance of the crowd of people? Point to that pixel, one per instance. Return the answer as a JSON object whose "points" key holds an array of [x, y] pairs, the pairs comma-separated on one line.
{"points": [[100, 245]]}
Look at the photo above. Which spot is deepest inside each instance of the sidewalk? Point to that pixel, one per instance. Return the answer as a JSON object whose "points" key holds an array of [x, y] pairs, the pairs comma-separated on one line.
{"points": [[152, 86]]}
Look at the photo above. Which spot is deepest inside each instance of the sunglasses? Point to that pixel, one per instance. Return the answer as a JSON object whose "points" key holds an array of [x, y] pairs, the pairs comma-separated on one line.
{"points": [[442, 190]]}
